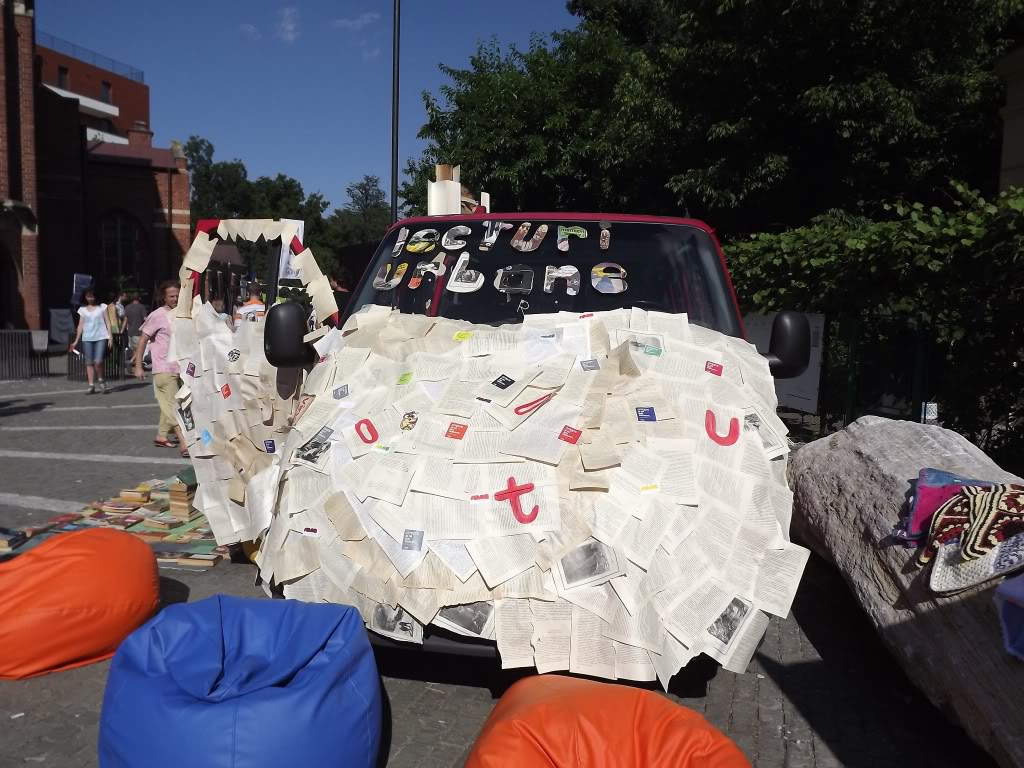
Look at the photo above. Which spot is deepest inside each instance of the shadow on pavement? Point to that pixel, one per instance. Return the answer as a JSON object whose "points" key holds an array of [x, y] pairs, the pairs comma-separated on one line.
{"points": [[868, 691], [11, 407], [414, 664], [172, 592], [129, 385]]}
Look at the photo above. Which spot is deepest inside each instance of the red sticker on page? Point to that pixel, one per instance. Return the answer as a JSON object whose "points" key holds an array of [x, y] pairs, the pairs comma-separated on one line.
{"points": [[569, 435], [191, 370], [715, 368], [225, 391], [456, 431]]}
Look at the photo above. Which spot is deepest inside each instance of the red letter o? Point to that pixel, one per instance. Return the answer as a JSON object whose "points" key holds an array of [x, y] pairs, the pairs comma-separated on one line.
{"points": [[371, 435]]}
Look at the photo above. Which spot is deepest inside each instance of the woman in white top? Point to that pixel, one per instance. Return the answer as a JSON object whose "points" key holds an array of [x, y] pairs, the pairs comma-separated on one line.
{"points": [[94, 333]]}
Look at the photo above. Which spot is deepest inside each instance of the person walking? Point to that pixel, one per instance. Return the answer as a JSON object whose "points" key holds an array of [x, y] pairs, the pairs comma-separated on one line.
{"points": [[254, 308], [158, 328], [115, 311], [134, 316], [94, 333]]}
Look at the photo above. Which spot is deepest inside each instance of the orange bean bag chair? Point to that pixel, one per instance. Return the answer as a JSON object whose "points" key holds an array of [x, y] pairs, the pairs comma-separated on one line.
{"points": [[72, 600], [561, 721]]}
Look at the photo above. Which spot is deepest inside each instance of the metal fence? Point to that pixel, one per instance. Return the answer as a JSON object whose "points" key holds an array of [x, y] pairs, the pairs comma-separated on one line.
{"points": [[114, 364], [18, 358]]}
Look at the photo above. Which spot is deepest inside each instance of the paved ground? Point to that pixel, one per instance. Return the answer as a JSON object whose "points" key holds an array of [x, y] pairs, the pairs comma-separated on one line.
{"points": [[820, 692]]}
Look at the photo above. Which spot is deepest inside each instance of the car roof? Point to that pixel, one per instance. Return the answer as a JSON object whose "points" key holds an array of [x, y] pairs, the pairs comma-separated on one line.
{"points": [[552, 216]]}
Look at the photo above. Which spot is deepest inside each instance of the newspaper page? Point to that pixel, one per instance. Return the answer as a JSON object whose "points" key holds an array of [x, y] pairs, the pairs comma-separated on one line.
{"points": [[778, 579], [552, 633], [591, 653], [514, 632], [499, 559], [632, 663]]}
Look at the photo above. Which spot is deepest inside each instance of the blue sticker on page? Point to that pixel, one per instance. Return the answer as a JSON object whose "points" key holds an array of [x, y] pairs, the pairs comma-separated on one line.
{"points": [[646, 413], [270, 446]]}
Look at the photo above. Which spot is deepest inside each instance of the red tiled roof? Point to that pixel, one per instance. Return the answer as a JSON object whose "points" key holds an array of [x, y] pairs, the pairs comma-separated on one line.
{"points": [[132, 153]]}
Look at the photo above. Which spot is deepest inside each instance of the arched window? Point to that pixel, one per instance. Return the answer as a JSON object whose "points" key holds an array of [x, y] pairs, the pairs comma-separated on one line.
{"points": [[120, 248]]}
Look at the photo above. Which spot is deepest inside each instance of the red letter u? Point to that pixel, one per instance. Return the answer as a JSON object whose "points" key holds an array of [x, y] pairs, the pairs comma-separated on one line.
{"points": [[712, 429]]}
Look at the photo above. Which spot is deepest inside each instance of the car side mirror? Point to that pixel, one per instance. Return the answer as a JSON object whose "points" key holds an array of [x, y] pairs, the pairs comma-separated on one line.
{"points": [[789, 350], [282, 337]]}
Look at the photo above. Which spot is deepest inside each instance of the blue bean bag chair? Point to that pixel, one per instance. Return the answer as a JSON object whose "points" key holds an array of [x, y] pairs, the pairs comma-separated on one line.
{"points": [[230, 682]]}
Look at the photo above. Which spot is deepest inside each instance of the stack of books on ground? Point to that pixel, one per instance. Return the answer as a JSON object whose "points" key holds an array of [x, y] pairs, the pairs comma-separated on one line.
{"points": [[182, 493], [11, 539], [159, 512], [186, 561]]}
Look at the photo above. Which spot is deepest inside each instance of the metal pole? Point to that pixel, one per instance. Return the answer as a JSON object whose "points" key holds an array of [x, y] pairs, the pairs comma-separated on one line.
{"points": [[396, 35]]}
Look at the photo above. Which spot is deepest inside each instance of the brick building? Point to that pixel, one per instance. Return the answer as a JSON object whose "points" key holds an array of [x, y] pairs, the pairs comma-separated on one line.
{"points": [[82, 187]]}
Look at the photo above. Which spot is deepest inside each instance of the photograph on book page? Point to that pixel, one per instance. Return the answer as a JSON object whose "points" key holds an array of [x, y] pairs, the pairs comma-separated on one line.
{"points": [[315, 452], [590, 564], [396, 623], [726, 626], [697, 609], [472, 619], [743, 646], [774, 444]]}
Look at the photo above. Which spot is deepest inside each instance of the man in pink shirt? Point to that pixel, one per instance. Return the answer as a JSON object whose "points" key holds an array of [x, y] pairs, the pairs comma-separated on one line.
{"points": [[157, 329]]}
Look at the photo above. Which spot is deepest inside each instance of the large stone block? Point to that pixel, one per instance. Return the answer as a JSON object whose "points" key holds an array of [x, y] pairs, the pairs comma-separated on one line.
{"points": [[849, 490]]}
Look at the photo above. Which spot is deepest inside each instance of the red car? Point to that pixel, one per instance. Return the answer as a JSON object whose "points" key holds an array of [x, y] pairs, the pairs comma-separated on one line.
{"points": [[496, 268]]}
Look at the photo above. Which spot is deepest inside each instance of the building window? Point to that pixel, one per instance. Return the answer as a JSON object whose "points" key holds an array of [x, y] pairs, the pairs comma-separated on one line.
{"points": [[120, 249], [105, 92], [63, 80]]}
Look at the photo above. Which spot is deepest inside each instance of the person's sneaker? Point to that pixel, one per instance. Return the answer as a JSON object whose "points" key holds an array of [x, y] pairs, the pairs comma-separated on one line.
{"points": [[103, 386], [91, 390]]}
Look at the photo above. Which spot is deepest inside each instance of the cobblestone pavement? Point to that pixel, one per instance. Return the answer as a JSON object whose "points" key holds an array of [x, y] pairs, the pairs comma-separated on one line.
{"points": [[821, 690]]}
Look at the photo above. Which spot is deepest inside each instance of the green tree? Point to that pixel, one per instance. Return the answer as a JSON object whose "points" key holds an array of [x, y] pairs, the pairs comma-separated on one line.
{"points": [[223, 190], [365, 197], [220, 190], [365, 216], [954, 274], [754, 114]]}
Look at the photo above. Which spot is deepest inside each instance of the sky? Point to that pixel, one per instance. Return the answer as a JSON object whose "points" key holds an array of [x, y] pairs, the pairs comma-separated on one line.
{"points": [[301, 87]]}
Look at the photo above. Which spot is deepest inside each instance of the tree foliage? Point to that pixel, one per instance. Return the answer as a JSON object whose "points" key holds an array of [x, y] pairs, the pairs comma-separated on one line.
{"points": [[754, 114], [956, 273]]}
